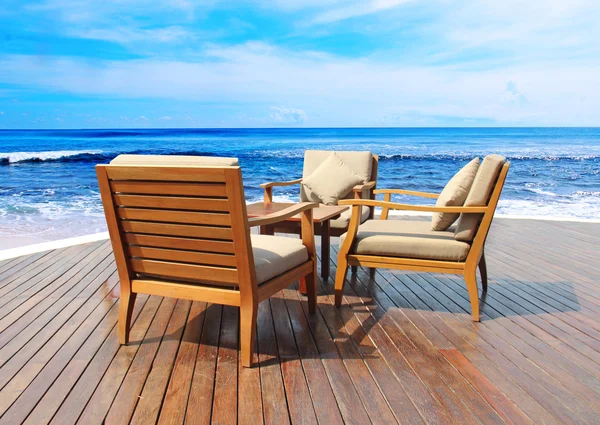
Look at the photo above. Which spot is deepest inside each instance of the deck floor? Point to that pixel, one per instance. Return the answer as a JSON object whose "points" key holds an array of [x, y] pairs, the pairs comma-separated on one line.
{"points": [[402, 349]]}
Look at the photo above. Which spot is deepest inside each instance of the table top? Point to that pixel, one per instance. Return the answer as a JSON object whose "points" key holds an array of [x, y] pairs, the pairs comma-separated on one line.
{"points": [[320, 214]]}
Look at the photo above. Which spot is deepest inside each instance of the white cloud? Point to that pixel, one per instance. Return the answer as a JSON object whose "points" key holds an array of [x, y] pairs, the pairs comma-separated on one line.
{"points": [[341, 91], [284, 115], [513, 96], [354, 9], [1, 112], [130, 34], [166, 118], [143, 118]]}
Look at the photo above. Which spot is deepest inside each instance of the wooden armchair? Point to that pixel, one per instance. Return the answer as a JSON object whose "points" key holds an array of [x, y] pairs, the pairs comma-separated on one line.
{"points": [[364, 163], [182, 231], [412, 245]]}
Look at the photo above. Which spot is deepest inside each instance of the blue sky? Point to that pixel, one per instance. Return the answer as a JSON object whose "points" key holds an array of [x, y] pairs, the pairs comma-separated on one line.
{"points": [[311, 63]]}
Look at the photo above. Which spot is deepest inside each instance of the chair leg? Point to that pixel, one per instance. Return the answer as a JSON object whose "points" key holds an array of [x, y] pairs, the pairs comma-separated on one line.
{"points": [[125, 312], [340, 278], [354, 269], [311, 292], [483, 272], [471, 281], [248, 314]]}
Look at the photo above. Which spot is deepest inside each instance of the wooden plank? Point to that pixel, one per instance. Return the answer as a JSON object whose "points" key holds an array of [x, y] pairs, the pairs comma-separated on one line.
{"points": [[509, 412], [106, 390], [83, 369], [173, 216], [174, 173], [150, 400], [168, 229], [224, 409], [124, 403], [178, 255], [274, 405], [84, 390], [428, 406], [12, 268], [323, 398], [36, 273], [20, 370], [200, 403], [249, 395], [26, 391], [466, 349], [176, 398], [180, 243], [184, 271], [41, 316], [171, 202], [299, 402], [54, 278], [346, 395], [168, 188]]}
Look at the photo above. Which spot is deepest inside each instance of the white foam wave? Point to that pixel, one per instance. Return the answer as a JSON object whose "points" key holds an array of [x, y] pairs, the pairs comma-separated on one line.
{"points": [[540, 191], [14, 157]]}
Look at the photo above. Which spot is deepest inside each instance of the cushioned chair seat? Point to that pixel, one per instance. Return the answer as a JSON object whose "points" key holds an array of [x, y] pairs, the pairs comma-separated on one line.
{"points": [[274, 255], [408, 239], [343, 220], [175, 160]]}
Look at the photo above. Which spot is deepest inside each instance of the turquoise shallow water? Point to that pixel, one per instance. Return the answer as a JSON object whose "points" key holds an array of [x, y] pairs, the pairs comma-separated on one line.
{"points": [[48, 186]]}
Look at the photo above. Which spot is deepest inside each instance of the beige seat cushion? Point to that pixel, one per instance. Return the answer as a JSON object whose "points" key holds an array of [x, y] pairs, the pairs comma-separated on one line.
{"points": [[332, 180], [274, 255], [454, 195], [361, 162], [343, 220], [408, 239], [175, 160], [479, 196]]}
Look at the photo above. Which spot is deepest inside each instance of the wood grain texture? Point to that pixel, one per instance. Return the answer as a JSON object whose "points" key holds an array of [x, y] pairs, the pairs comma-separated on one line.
{"points": [[174, 259]]}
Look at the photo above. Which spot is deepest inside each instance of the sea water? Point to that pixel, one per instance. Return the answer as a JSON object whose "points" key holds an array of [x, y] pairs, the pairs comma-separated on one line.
{"points": [[48, 185]]}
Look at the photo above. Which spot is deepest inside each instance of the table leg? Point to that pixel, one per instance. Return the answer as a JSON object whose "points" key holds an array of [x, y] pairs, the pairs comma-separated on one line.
{"points": [[302, 286], [325, 249], [267, 230]]}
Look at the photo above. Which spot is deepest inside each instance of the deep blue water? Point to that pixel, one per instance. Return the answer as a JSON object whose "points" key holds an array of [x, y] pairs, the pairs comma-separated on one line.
{"points": [[48, 185]]}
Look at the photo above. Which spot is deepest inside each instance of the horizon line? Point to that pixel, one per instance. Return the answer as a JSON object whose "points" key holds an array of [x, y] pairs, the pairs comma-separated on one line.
{"points": [[298, 128]]}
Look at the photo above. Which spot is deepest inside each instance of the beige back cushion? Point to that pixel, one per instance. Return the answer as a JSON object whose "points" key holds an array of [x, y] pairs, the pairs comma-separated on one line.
{"points": [[332, 180], [479, 196], [361, 162], [454, 195], [175, 160]]}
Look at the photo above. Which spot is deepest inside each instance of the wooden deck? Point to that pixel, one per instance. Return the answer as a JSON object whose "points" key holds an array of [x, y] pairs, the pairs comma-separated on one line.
{"points": [[402, 349]]}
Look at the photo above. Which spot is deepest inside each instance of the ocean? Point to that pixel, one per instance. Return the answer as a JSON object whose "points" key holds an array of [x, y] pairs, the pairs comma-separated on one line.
{"points": [[48, 186]]}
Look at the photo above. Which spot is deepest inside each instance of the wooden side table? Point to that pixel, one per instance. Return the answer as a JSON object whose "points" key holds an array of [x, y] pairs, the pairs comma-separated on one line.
{"points": [[321, 219]]}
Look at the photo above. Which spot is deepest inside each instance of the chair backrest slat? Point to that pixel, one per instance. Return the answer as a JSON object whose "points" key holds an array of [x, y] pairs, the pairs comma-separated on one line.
{"points": [[176, 223]]}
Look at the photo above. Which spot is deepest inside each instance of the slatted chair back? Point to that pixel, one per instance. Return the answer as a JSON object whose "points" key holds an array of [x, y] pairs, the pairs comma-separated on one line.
{"points": [[174, 223]]}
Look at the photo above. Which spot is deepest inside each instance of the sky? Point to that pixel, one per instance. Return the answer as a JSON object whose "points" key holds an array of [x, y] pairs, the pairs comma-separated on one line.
{"points": [[299, 63]]}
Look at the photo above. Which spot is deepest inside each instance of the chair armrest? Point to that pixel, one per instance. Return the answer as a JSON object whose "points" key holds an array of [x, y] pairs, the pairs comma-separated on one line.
{"points": [[407, 207], [406, 192], [360, 187], [268, 188], [288, 183], [281, 215]]}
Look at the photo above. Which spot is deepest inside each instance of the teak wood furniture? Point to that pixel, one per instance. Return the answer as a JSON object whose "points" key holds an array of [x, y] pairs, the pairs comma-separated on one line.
{"points": [[322, 217], [183, 231], [467, 267], [365, 161]]}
